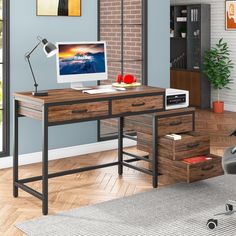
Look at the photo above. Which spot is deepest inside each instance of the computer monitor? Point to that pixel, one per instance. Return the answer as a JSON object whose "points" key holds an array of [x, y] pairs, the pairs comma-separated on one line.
{"points": [[79, 62]]}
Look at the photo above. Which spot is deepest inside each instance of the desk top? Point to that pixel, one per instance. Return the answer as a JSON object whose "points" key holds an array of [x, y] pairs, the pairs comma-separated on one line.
{"points": [[70, 95]]}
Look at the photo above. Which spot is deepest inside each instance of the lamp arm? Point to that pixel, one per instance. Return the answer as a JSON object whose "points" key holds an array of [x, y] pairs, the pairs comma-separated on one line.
{"points": [[32, 72], [27, 56], [29, 53]]}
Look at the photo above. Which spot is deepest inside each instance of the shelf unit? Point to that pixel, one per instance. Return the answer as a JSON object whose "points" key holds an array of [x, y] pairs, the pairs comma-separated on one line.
{"points": [[187, 53]]}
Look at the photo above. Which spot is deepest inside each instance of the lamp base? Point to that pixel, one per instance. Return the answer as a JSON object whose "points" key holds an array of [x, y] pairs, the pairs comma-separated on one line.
{"points": [[40, 93]]}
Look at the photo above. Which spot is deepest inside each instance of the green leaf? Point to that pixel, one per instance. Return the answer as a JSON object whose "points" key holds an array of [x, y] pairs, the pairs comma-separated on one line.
{"points": [[217, 65]]}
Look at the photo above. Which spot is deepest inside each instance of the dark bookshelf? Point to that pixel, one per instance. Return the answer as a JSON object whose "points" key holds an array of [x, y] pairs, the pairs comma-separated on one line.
{"points": [[186, 54]]}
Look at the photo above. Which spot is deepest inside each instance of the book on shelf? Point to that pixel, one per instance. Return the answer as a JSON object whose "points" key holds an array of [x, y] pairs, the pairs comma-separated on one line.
{"points": [[197, 159], [181, 19], [173, 137]]}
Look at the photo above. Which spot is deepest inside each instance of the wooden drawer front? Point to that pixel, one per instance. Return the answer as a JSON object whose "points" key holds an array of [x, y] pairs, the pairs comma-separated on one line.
{"points": [[175, 124], [191, 144], [191, 172], [78, 111], [144, 142], [137, 104], [187, 80]]}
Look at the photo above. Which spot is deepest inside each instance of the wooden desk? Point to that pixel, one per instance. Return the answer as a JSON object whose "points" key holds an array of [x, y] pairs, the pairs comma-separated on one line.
{"points": [[66, 106]]}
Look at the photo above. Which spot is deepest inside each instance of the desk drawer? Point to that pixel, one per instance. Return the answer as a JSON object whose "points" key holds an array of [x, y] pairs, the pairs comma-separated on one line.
{"points": [[191, 144], [138, 104], [184, 172], [77, 111], [166, 125], [175, 124]]}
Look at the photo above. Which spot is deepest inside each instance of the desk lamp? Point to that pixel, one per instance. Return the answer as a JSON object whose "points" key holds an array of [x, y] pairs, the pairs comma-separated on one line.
{"points": [[50, 50]]}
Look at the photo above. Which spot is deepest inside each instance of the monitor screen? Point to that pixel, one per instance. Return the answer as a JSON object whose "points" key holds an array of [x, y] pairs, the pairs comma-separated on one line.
{"points": [[81, 61]]}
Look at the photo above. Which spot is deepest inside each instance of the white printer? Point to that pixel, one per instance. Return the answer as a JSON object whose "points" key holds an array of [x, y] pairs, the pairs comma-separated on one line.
{"points": [[176, 98]]}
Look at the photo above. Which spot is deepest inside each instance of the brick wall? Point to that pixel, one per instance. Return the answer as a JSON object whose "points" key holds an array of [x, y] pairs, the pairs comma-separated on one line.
{"points": [[111, 31]]}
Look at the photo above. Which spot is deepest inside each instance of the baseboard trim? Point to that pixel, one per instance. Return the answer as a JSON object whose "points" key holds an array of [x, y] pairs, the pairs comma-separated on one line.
{"points": [[56, 154]]}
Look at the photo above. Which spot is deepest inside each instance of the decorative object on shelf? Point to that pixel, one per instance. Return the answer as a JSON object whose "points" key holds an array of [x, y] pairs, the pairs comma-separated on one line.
{"points": [[196, 33], [126, 81], [184, 12], [58, 7], [179, 62], [217, 67], [183, 32], [230, 15], [50, 50], [119, 79], [172, 33], [129, 79]]}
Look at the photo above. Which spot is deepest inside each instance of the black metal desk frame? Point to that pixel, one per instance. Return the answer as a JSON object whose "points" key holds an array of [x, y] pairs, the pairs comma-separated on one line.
{"points": [[21, 183]]}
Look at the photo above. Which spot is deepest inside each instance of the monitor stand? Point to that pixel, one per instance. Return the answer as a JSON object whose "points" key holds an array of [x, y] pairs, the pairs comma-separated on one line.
{"points": [[78, 86]]}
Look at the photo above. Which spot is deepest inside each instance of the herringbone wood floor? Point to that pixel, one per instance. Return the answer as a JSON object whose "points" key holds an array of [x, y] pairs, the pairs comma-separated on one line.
{"points": [[96, 186]]}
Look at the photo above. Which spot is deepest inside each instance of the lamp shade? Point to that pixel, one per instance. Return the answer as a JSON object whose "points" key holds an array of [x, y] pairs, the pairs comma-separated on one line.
{"points": [[49, 48]]}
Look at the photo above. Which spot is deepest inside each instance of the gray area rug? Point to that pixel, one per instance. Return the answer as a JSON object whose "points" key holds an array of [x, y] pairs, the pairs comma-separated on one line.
{"points": [[178, 210]]}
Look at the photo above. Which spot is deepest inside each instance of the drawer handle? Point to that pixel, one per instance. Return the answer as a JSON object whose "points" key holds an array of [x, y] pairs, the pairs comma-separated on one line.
{"points": [[79, 111], [207, 168], [175, 123], [138, 104], [193, 145]]}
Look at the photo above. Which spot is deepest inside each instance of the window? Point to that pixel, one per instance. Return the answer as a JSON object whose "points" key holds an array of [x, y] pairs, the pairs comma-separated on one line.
{"points": [[4, 75], [123, 25]]}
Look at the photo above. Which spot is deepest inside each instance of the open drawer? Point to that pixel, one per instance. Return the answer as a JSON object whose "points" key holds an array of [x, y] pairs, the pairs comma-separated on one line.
{"points": [[184, 172], [191, 144]]}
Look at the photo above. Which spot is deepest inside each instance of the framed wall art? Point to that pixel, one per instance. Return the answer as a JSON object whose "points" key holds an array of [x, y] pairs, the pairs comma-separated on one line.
{"points": [[58, 7], [230, 15]]}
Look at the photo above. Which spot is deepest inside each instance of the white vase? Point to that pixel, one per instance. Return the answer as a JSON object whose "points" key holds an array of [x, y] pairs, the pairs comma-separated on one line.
{"points": [[183, 35]]}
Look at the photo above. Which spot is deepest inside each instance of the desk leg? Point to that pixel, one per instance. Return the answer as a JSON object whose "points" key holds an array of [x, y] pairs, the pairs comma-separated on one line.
{"points": [[45, 162], [154, 152], [15, 149], [120, 145]]}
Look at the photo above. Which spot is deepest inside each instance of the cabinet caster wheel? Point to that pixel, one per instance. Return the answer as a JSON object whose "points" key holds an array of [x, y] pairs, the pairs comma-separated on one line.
{"points": [[212, 224], [229, 207]]}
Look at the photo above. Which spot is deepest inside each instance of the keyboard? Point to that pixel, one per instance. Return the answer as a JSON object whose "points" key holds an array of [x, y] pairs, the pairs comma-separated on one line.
{"points": [[97, 91]]}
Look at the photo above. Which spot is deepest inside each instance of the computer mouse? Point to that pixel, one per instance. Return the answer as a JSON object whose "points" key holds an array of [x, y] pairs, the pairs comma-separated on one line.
{"points": [[233, 150]]}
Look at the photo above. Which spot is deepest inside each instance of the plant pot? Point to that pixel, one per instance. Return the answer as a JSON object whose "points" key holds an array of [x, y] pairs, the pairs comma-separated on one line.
{"points": [[218, 107], [183, 35]]}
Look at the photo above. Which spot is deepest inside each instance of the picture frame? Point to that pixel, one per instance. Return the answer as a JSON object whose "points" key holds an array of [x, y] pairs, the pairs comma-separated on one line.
{"points": [[70, 8], [230, 15]]}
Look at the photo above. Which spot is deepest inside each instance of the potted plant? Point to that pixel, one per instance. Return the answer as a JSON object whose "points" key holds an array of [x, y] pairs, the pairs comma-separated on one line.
{"points": [[183, 32], [217, 68]]}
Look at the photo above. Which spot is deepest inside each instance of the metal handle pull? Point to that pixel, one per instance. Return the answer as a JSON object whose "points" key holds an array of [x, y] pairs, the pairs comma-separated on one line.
{"points": [[80, 111], [207, 168], [193, 145], [138, 104], [175, 123]]}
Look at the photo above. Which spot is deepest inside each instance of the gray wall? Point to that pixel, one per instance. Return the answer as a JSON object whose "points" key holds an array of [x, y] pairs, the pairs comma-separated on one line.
{"points": [[26, 26], [218, 31], [159, 43]]}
